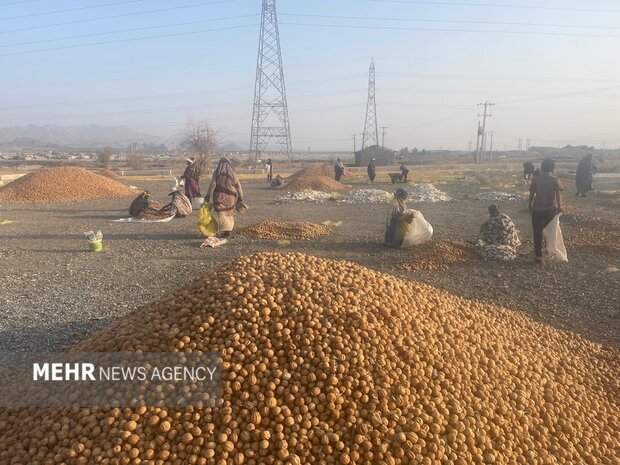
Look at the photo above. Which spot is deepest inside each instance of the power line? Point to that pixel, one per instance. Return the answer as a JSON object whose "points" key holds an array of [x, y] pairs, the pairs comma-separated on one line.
{"points": [[496, 78], [19, 2], [418, 20], [176, 108], [316, 109], [477, 31], [119, 31], [133, 39], [534, 109], [584, 93], [123, 15], [210, 73], [68, 10], [496, 5], [150, 98]]}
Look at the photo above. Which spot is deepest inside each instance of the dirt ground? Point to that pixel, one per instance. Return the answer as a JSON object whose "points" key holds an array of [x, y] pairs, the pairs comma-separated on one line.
{"points": [[54, 291]]}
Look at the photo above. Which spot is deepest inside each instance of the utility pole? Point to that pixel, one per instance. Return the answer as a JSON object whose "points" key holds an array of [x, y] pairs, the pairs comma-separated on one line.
{"points": [[355, 140], [527, 144], [491, 147], [468, 148], [371, 129], [477, 153], [270, 116], [383, 128], [484, 116]]}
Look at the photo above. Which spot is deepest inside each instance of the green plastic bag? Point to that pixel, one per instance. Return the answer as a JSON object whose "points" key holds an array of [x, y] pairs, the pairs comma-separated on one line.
{"points": [[206, 220]]}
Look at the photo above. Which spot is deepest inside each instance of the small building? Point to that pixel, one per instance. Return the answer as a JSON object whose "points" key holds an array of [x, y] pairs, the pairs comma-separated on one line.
{"points": [[382, 156]]}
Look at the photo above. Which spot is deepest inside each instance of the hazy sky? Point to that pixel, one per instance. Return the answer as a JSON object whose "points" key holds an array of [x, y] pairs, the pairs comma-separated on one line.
{"points": [[551, 66]]}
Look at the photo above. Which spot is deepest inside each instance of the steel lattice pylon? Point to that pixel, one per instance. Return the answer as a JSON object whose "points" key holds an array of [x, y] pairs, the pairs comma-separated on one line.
{"points": [[270, 122], [371, 128]]}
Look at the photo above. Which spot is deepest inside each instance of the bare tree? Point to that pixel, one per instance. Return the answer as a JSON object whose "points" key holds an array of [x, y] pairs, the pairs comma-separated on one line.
{"points": [[199, 139], [105, 156]]}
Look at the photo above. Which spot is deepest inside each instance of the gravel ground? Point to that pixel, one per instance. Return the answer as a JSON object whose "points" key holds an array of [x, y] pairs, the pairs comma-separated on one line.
{"points": [[54, 291]]}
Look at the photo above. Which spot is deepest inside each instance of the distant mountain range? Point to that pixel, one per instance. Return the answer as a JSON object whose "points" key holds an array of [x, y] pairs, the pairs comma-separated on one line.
{"points": [[90, 136]]}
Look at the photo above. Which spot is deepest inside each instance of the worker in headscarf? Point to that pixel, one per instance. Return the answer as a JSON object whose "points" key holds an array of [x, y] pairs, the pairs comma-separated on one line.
{"points": [[372, 170], [338, 169], [227, 195], [394, 231], [498, 238], [191, 176], [278, 181], [140, 204], [585, 175], [180, 206]]}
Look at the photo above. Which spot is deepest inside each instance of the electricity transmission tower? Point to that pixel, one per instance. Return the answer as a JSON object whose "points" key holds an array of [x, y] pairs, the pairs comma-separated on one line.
{"points": [[371, 128], [270, 122]]}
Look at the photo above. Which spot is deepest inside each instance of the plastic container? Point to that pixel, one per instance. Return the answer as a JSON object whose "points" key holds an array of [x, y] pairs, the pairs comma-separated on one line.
{"points": [[197, 202], [96, 246]]}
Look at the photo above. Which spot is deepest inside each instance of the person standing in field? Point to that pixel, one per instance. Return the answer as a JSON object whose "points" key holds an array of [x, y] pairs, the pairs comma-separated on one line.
{"points": [[404, 172], [191, 176], [585, 175], [226, 192], [338, 169], [269, 171], [545, 202], [372, 170]]}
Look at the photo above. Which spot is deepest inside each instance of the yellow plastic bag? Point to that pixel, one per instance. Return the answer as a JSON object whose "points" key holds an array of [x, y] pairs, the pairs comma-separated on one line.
{"points": [[206, 220]]}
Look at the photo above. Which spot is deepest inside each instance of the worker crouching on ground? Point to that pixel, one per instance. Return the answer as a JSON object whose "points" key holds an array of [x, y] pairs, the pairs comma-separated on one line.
{"points": [[372, 170], [394, 232], [278, 181], [545, 202], [191, 176], [528, 170], [498, 238], [143, 204], [179, 206], [227, 195]]}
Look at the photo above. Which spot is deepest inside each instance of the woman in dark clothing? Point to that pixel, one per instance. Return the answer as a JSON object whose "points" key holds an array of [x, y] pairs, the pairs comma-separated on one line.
{"points": [[339, 169], [545, 202], [404, 171], [191, 178], [585, 174], [372, 170]]}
